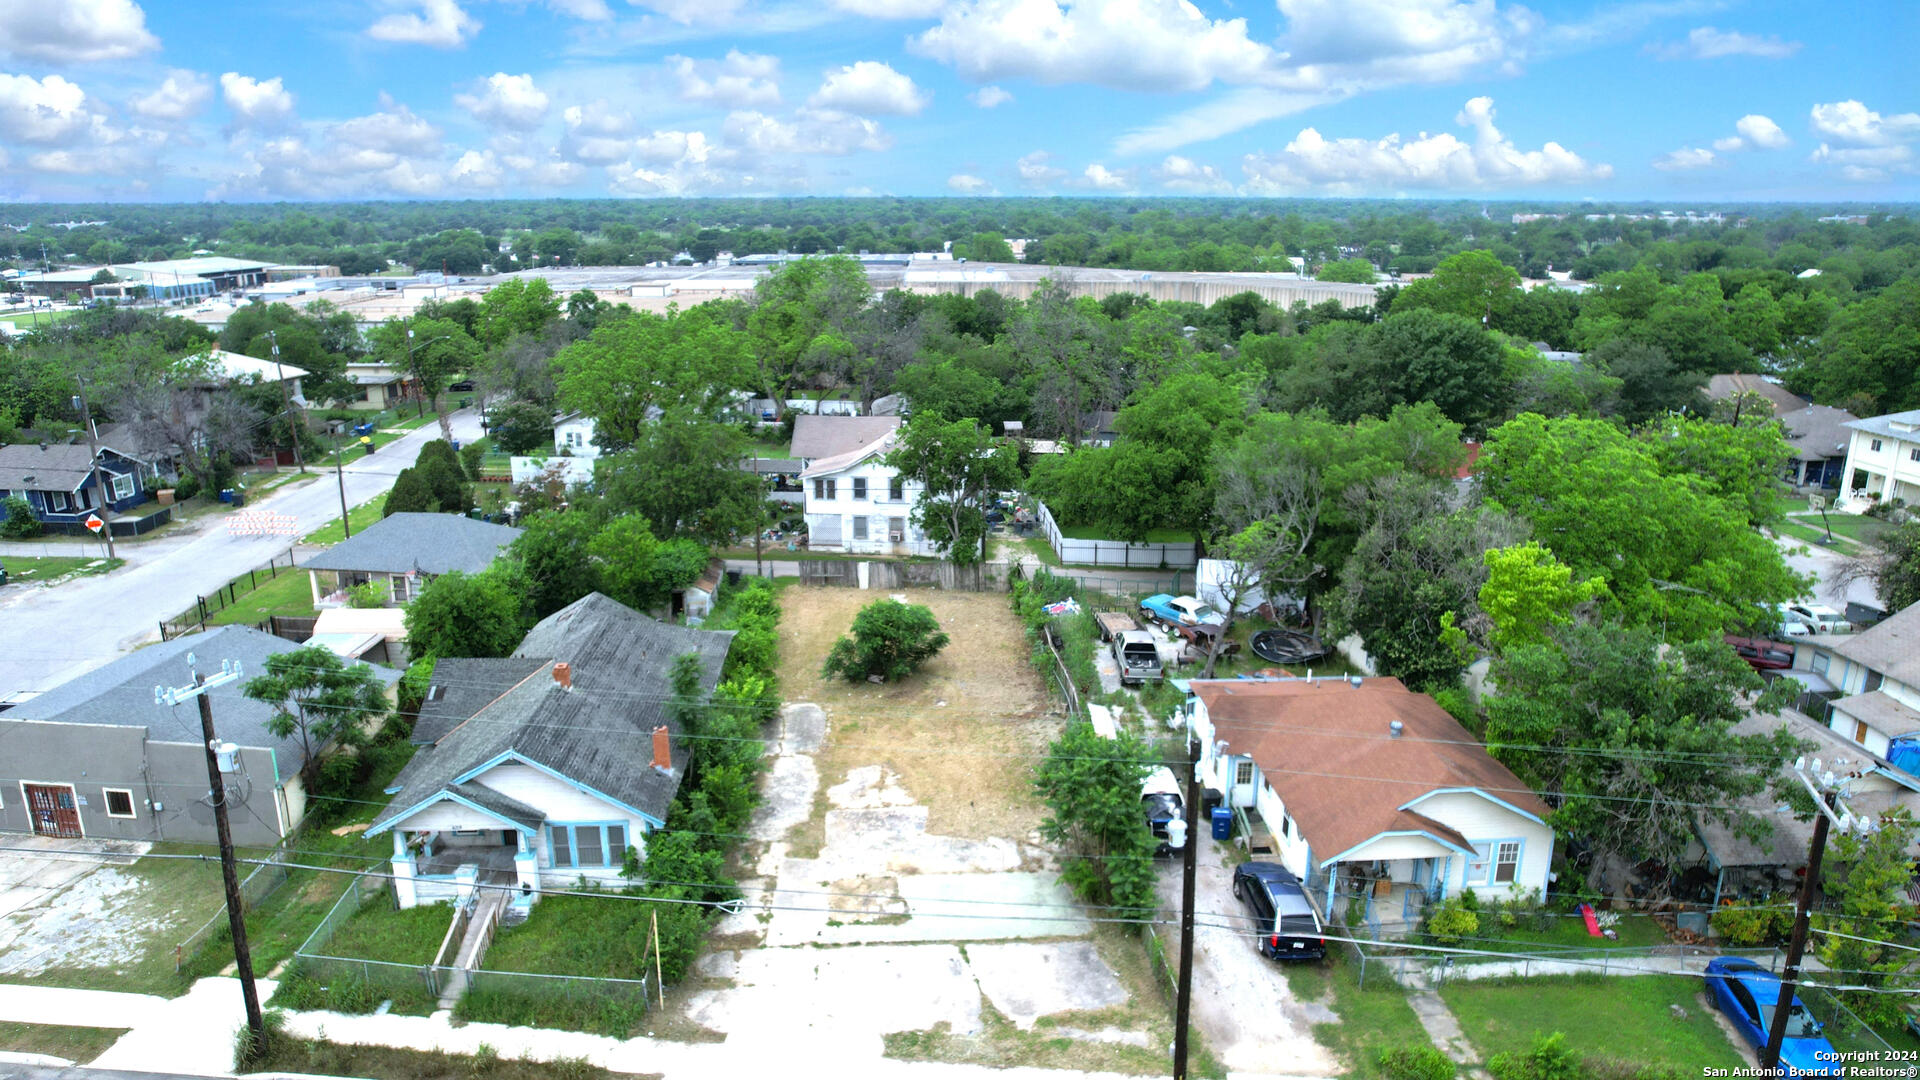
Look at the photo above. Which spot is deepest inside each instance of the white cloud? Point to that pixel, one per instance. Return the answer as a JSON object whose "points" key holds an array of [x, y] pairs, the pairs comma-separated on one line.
{"points": [[1728, 144], [476, 169], [989, 97], [738, 80], [511, 101], [590, 10], [1034, 170], [812, 131], [45, 111], [1710, 43], [668, 147], [968, 184], [1100, 178], [255, 102], [597, 134], [1852, 122], [869, 87], [597, 117], [441, 24], [1177, 173], [1125, 44], [1224, 115], [692, 12], [74, 32], [1759, 131], [395, 129], [891, 9], [180, 95], [1687, 157], [1312, 160]]}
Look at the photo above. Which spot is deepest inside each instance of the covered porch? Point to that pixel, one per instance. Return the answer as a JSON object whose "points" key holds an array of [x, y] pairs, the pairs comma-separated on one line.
{"points": [[469, 836], [1388, 882]]}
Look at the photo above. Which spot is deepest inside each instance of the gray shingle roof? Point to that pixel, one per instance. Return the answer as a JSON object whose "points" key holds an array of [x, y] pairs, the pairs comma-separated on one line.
{"points": [[505, 805], [463, 686], [1900, 425], [1720, 387], [1818, 432], [121, 693], [429, 543], [1891, 646], [600, 733], [830, 436], [57, 467]]}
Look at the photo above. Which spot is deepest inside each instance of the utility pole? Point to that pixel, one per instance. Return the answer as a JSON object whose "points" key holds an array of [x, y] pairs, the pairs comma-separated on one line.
{"points": [[286, 395], [1824, 788], [1183, 1005], [93, 462], [230, 671], [346, 520]]}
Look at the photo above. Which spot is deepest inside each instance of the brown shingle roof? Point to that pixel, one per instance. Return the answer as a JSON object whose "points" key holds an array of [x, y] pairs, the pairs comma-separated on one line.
{"points": [[1721, 387], [1326, 749], [830, 436]]}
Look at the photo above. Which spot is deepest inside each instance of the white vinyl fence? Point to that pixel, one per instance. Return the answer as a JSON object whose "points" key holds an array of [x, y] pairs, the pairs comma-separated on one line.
{"points": [[1115, 552]]}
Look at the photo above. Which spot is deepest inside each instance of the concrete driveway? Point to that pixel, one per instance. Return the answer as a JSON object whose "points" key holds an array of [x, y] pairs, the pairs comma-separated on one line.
{"points": [[1825, 566], [1241, 1000], [51, 635]]}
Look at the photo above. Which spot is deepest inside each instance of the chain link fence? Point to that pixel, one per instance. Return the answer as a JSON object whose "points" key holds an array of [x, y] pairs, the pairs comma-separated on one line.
{"points": [[265, 880]]}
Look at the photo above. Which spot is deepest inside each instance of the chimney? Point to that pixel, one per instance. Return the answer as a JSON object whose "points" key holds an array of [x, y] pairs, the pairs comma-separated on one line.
{"points": [[1394, 729], [662, 749], [563, 674]]}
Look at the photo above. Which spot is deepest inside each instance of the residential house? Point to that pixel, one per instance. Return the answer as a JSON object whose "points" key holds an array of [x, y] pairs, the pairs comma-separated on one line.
{"points": [[855, 502], [62, 490], [548, 766], [161, 461], [1820, 437], [405, 551], [1866, 686], [1883, 461], [239, 367], [1728, 387], [1365, 789], [1101, 428], [377, 635], [573, 435], [97, 757], [817, 437], [376, 386]]}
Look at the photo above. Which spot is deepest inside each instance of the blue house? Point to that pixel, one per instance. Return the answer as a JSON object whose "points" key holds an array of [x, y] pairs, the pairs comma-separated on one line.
{"points": [[59, 485]]}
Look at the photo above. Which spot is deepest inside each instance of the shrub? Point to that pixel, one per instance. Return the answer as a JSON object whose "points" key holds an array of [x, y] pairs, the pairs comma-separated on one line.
{"points": [[1452, 920], [187, 488], [890, 641], [335, 780], [414, 684], [1458, 705], [410, 495], [470, 456], [1549, 1059], [368, 594], [1754, 924], [1417, 1063], [19, 524]]}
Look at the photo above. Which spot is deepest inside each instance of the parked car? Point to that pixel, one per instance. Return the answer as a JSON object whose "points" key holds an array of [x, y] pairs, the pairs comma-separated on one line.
{"points": [[1180, 610], [1288, 921], [1138, 657], [1747, 993], [1160, 798], [1761, 654], [1819, 618], [1198, 638]]}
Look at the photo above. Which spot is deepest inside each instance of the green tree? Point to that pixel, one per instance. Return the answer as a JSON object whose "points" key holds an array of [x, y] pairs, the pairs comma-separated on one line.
{"points": [[467, 615], [1649, 382], [683, 474], [989, 247], [1448, 360], [630, 369], [800, 322], [1528, 592], [1353, 270], [320, 698], [516, 306], [1894, 570], [1636, 734], [1756, 319], [429, 351], [639, 569], [890, 641], [410, 494], [521, 427], [439, 465], [1866, 878], [1740, 463], [1091, 787], [1473, 284], [553, 552], [959, 467], [1870, 348]]}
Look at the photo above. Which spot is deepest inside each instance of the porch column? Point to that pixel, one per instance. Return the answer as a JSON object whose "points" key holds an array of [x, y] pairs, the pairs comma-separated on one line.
{"points": [[526, 866], [403, 872], [313, 580]]}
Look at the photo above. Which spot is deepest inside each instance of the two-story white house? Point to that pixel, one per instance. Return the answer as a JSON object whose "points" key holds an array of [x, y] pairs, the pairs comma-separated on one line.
{"points": [[573, 435], [856, 503], [1365, 789], [1883, 461], [1872, 685]]}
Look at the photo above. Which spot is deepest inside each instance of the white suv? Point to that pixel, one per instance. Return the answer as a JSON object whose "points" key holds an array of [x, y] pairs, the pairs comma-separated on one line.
{"points": [[1817, 618]]}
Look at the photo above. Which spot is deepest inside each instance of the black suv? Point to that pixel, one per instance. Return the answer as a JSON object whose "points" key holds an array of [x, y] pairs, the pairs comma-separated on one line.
{"points": [[1289, 924]]}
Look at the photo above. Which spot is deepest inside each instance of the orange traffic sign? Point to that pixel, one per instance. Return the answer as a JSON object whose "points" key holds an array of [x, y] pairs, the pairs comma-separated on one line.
{"points": [[94, 522]]}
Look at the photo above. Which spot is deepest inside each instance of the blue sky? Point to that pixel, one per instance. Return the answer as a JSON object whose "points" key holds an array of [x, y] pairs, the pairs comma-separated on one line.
{"points": [[1683, 100]]}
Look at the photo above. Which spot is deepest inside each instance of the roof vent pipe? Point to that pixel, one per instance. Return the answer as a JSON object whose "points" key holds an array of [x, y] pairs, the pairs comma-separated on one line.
{"points": [[563, 674], [1394, 729]]}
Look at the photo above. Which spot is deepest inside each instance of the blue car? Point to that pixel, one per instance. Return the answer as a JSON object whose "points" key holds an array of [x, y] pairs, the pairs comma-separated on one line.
{"points": [[1747, 993]]}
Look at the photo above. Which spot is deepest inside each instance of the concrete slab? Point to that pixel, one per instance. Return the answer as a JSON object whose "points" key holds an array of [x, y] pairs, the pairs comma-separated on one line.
{"points": [[803, 726], [31, 871], [1026, 982], [895, 839], [938, 907], [869, 787], [849, 993], [1105, 1035], [788, 797], [721, 964], [1107, 669]]}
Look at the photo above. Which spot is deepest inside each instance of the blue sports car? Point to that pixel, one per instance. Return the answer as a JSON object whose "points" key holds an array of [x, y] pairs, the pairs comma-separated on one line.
{"points": [[1747, 993]]}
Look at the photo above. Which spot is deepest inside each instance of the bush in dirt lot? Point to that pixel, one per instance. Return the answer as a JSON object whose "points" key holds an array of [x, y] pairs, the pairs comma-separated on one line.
{"points": [[890, 640], [1091, 787], [1417, 1063]]}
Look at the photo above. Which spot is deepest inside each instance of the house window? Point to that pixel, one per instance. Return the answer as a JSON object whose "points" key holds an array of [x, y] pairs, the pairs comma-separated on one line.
{"points": [[1876, 446], [859, 487], [897, 490], [1874, 679], [1477, 866], [1243, 772], [1506, 862], [824, 488], [859, 524], [123, 487], [1820, 662], [587, 846], [59, 502], [119, 802]]}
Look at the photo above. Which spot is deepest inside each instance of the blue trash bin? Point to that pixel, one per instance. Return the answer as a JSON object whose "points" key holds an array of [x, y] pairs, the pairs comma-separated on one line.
{"points": [[1222, 823]]}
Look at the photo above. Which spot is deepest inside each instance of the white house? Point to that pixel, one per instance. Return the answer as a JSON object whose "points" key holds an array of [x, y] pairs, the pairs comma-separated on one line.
{"points": [[856, 503], [1870, 686], [548, 766], [1883, 461], [1366, 789], [573, 435], [239, 366]]}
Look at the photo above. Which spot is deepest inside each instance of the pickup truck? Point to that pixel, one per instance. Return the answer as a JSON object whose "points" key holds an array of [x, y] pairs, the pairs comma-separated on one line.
{"points": [[1160, 798], [1138, 657], [1180, 610], [1114, 623]]}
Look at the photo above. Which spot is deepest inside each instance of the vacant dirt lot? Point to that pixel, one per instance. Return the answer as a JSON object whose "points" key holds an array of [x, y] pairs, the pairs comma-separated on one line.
{"points": [[961, 736]]}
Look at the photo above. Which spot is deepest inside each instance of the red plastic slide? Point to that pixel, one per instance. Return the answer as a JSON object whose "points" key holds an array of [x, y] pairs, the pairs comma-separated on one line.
{"points": [[1593, 923]]}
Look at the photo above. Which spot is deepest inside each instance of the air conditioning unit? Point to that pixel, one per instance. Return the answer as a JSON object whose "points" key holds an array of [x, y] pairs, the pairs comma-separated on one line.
{"points": [[895, 537]]}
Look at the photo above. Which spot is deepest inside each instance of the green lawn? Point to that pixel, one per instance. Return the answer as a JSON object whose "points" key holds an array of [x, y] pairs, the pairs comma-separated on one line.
{"points": [[1154, 536], [27, 319], [318, 1057], [1857, 527], [1621, 1017], [380, 931], [24, 570], [1371, 1020], [566, 935], [777, 449], [409, 422], [76, 1044], [1566, 933], [1794, 528], [291, 593], [363, 515]]}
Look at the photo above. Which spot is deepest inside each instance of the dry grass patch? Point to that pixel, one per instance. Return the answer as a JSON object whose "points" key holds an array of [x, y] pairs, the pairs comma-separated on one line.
{"points": [[966, 760], [76, 1044]]}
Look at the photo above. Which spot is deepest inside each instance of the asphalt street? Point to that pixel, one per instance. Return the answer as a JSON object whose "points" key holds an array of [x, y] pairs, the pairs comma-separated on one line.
{"points": [[49, 635]]}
